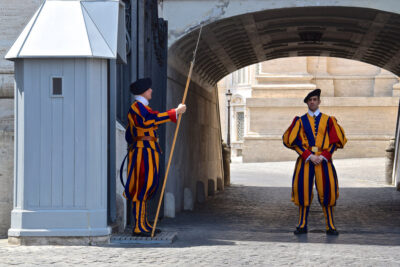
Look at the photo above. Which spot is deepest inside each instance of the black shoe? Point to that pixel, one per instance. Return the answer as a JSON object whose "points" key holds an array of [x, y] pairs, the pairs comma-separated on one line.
{"points": [[142, 234], [332, 232], [300, 231]]}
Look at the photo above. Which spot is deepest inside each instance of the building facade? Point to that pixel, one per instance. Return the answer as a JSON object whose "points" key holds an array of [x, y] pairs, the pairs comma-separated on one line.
{"points": [[266, 97]]}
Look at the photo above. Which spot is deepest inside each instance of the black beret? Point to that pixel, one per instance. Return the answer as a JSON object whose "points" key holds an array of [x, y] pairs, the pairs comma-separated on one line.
{"points": [[316, 92], [140, 86]]}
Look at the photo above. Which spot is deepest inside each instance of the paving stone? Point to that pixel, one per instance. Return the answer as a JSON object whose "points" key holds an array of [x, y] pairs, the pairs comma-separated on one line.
{"points": [[251, 223]]}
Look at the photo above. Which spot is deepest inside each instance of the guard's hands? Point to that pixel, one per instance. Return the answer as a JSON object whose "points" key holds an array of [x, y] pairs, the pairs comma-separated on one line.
{"points": [[316, 159], [180, 109]]}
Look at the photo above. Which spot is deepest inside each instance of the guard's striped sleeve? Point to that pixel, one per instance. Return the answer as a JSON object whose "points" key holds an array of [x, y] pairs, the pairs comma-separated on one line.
{"points": [[337, 138], [292, 139], [147, 118]]}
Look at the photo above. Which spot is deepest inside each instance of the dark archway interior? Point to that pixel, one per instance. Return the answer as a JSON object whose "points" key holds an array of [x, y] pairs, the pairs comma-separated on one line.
{"points": [[362, 34]]}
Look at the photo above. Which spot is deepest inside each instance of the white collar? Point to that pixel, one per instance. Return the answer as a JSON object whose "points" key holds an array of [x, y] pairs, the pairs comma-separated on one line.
{"points": [[316, 113], [142, 99]]}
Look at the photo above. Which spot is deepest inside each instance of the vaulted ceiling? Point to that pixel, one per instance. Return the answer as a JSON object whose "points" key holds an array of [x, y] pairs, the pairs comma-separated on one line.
{"points": [[361, 34]]}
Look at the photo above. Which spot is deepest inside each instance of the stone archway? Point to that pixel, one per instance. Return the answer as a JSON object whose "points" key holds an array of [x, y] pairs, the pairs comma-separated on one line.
{"points": [[362, 34], [237, 36]]}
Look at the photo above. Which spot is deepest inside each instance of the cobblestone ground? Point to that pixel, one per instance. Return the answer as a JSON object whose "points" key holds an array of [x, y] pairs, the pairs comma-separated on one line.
{"points": [[251, 223]]}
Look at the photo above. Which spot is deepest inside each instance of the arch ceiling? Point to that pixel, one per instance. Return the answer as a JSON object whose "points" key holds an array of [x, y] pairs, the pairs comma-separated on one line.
{"points": [[362, 34]]}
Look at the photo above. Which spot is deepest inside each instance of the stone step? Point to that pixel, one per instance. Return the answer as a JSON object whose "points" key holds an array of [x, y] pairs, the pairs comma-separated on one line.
{"points": [[284, 77], [326, 102], [284, 86], [280, 90]]}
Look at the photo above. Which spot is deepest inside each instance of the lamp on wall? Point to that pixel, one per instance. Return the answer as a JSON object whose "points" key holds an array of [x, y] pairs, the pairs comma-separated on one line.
{"points": [[229, 98]]}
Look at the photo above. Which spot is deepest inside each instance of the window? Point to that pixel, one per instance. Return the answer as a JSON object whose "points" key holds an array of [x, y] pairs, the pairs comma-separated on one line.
{"points": [[239, 126], [242, 76], [56, 86]]}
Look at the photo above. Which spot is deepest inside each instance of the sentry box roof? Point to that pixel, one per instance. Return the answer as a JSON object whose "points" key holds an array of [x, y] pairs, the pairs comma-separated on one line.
{"points": [[73, 28]]}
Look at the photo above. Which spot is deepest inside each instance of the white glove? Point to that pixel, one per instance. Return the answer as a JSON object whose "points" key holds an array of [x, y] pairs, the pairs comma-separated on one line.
{"points": [[180, 109]]}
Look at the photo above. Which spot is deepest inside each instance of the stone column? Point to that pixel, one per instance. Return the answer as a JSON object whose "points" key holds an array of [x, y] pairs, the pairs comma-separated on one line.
{"points": [[384, 84], [318, 68], [396, 88]]}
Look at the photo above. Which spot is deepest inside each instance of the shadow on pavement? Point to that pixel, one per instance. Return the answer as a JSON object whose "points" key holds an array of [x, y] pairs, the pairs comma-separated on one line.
{"points": [[364, 216]]}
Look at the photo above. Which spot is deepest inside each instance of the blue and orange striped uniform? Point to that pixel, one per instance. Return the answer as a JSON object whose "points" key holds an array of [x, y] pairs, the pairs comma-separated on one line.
{"points": [[143, 159], [324, 136]]}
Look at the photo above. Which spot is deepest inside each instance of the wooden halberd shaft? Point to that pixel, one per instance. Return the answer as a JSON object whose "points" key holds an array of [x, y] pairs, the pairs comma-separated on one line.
{"points": [[175, 135]]}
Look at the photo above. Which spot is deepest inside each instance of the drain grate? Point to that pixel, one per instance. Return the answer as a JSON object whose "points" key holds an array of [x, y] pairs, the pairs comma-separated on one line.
{"points": [[161, 238]]}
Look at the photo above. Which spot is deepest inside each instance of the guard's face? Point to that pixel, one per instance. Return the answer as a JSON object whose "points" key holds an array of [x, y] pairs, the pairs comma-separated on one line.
{"points": [[147, 94], [313, 103]]}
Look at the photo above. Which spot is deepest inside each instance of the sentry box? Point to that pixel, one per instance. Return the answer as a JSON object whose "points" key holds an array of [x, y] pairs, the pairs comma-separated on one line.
{"points": [[60, 183]]}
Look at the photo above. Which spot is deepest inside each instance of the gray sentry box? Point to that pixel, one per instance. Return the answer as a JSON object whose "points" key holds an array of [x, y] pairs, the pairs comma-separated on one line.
{"points": [[61, 119]]}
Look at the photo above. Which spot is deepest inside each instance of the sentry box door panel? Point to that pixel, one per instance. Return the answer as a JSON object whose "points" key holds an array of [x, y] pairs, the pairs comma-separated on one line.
{"points": [[65, 132]]}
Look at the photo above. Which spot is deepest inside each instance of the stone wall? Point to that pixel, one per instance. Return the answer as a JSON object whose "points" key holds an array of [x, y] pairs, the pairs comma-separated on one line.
{"points": [[185, 15], [369, 123], [6, 173], [196, 169], [13, 17]]}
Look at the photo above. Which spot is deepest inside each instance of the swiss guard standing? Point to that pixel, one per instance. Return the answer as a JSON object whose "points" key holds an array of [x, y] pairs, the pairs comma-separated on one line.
{"points": [[144, 150], [314, 136]]}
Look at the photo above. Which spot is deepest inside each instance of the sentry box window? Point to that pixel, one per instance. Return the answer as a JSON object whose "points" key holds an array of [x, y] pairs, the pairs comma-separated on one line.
{"points": [[56, 87]]}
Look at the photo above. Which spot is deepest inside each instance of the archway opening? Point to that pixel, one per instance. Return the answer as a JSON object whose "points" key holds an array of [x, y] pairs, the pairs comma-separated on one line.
{"points": [[360, 34]]}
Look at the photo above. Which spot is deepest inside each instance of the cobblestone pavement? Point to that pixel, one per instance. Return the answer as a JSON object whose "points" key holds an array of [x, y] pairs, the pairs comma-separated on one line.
{"points": [[251, 223]]}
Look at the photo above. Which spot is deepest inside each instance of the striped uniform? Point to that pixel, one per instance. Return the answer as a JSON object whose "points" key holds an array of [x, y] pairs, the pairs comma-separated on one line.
{"points": [[143, 159], [325, 135]]}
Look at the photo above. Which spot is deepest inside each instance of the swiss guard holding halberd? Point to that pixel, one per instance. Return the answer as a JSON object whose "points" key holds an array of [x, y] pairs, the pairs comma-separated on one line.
{"points": [[314, 136], [143, 157]]}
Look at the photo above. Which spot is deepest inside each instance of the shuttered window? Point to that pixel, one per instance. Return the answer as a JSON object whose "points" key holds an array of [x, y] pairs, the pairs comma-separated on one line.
{"points": [[240, 125]]}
